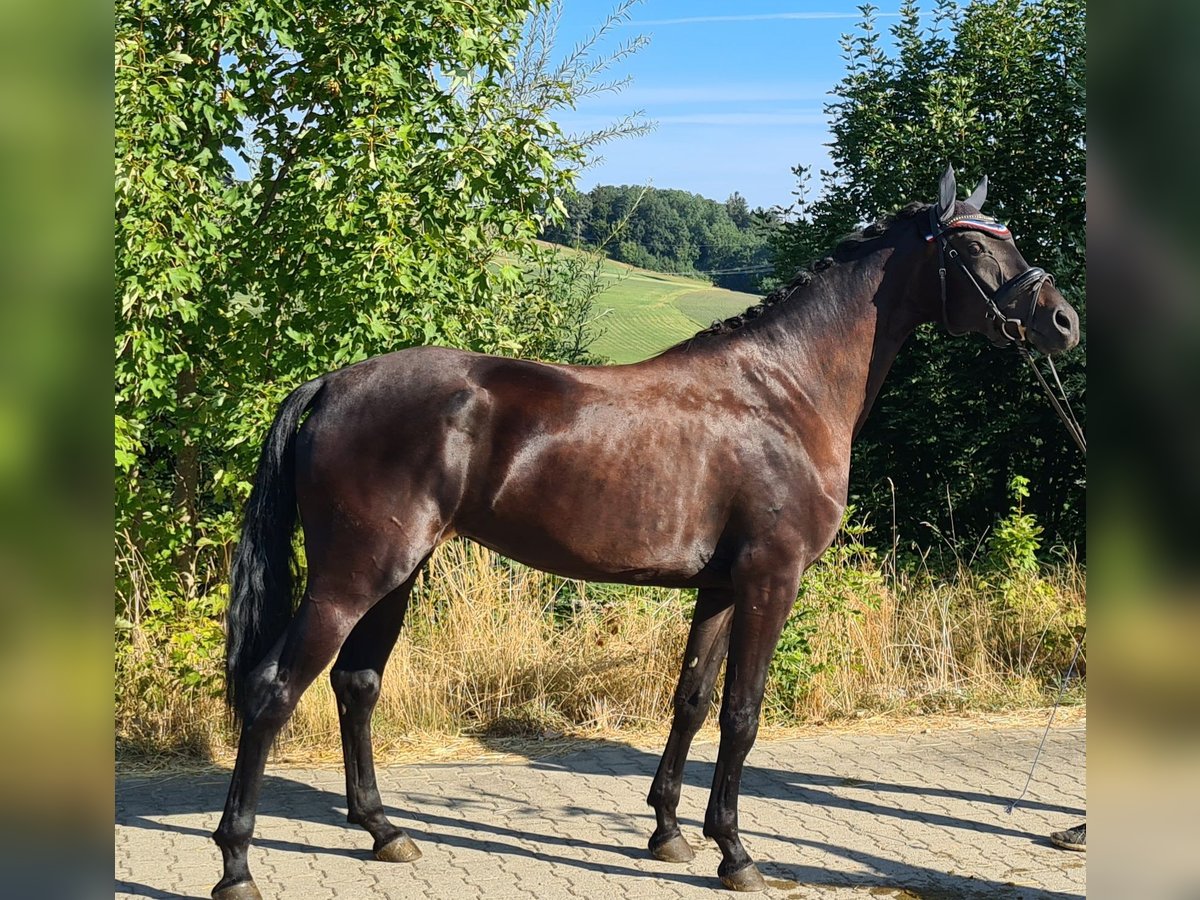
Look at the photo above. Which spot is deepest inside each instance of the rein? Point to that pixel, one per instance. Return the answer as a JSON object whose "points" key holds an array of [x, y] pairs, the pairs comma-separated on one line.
{"points": [[1032, 280], [1065, 413]]}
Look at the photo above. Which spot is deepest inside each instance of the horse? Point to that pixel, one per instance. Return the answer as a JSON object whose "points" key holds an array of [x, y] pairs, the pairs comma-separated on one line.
{"points": [[722, 464]]}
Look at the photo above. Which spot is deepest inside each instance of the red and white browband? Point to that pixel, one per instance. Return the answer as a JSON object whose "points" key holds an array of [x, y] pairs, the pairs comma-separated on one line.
{"points": [[975, 223]]}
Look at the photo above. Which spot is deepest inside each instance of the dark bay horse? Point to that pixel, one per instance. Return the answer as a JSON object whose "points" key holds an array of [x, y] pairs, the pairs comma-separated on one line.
{"points": [[721, 464]]}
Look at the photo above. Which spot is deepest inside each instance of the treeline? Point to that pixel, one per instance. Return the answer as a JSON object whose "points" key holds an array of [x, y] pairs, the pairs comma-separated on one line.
{"points": [[672, 231]]}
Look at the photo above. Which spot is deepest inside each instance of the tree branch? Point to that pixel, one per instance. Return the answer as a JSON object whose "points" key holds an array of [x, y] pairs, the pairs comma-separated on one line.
{"points": [[277, 182]]}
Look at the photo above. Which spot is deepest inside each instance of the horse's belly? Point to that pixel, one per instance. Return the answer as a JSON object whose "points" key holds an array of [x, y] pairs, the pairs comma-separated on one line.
{"points": [[608, 493], [569, 563], [629, 545]]}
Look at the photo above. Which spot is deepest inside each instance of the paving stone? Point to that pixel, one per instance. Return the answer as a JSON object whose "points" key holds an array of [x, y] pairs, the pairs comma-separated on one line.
{"points": [[841, 816]]}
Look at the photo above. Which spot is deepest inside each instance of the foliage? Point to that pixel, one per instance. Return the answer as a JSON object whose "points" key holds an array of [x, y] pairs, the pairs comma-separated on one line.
{"points": [[996, 88], [301, 186], [1014, 542], [569, 286], [671, 231], [871, 634], [846, 580], [1021, 599], [170, 657]]}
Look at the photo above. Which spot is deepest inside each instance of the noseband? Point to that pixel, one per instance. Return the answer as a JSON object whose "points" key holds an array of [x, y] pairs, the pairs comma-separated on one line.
{"points": [[1032, 279]]}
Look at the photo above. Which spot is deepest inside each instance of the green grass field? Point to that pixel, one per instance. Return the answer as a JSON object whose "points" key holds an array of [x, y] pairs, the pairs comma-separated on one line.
{"points": [[645, 312]]}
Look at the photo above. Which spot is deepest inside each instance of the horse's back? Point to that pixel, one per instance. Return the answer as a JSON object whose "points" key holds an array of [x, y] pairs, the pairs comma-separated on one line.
{"points": [[414, 424], [581, 470]]}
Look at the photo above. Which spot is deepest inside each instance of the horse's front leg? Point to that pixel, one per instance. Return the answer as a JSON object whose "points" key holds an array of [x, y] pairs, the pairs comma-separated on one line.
{"points": [[706, 646], [761, 606]]}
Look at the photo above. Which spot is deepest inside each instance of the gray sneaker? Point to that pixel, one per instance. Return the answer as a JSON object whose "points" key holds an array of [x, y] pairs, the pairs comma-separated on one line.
{"points": [[1071, 839]]}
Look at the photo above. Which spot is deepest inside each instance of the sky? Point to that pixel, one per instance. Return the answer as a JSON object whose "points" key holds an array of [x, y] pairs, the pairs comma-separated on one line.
{"points": [[738, 91]]}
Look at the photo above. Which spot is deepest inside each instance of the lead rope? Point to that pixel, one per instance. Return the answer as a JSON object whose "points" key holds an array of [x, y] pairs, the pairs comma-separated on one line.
{"points": [[1063, 408], [1061, 690], [1068, 419]]}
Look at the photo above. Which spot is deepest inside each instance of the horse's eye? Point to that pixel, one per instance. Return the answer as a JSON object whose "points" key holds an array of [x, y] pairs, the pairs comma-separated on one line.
{"points": [[975, 248]]}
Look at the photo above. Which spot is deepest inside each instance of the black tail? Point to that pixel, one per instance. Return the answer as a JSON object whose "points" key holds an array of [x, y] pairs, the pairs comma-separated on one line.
{"points": [[261, 594]]}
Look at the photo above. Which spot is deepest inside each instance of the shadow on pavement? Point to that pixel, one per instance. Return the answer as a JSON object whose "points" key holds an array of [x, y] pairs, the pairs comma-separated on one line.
{"points": [[143, 890], [140, 801], [898, 879], [140, 798], [604, 757]]}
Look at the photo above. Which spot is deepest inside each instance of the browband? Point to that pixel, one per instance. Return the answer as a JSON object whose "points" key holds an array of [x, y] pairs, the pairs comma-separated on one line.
{"points": [[969, 222]]}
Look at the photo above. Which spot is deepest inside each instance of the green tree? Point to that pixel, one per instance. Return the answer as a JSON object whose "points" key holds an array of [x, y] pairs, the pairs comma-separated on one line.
{"points": [[671, 231], [996, 88], [738, 210], [303, 185]]}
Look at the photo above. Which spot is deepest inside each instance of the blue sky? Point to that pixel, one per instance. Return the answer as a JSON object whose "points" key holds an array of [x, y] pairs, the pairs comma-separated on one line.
{"points": [[738, 91]]}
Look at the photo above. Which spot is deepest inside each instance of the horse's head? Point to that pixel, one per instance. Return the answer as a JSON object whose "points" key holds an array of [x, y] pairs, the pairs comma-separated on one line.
{"points": [[986, 286]]}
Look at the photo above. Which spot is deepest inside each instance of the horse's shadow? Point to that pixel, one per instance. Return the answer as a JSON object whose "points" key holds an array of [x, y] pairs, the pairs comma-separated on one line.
{"points": [[604, 757], [143, 802]]}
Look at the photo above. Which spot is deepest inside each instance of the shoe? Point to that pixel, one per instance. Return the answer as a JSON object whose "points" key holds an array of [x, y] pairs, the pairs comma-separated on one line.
{"points": [[1071, 839]]}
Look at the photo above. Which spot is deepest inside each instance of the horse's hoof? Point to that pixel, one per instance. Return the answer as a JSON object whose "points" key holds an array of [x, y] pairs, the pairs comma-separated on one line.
{"points": [[243, 890], [744, 879], [399, 849], [673, 849]]}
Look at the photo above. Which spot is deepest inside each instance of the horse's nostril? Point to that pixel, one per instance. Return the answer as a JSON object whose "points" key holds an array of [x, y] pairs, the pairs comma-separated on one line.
{"points": [[1063, 321]]}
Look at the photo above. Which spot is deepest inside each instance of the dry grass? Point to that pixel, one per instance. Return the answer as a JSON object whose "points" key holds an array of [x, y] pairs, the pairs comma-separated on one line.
{"points": [[482, 652], [923, 646]]}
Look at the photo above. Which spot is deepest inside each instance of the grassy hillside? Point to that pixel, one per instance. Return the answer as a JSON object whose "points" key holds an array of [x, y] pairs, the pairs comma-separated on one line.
{"points": [[646, 312]]}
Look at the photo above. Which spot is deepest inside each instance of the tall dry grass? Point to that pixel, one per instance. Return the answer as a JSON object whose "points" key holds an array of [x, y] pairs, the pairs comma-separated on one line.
{"points": [[492, 646], [482, 649], [921, 644]]}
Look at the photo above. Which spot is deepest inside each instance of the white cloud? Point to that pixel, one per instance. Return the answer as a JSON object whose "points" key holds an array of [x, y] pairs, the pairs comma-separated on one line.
{"points": [[803, 118], [743, 119], [721, 93], [761, 17]]}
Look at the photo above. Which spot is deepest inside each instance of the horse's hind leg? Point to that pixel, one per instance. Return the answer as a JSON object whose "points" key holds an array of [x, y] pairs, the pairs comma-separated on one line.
{"points": [[356, 679], [312, 638], [336, 598], [707, 642]]}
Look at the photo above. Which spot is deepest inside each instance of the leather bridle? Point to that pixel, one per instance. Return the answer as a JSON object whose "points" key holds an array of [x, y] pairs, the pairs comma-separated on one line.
{"points": [[1032, 279]]}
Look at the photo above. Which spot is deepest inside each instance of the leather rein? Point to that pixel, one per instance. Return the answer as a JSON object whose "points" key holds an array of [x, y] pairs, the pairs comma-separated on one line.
{"points": [[1032, 280]]}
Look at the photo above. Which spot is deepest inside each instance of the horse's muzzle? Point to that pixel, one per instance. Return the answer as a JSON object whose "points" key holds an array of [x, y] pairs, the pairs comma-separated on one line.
{"points": [[1054, 326]]}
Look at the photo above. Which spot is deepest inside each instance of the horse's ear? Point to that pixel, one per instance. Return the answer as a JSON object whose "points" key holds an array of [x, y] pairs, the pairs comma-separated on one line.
{"points": [[979, 194], [947, 190]]}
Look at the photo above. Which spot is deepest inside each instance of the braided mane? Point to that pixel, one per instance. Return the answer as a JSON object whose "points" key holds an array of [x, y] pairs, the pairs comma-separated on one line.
{"points": [[847, 248]]}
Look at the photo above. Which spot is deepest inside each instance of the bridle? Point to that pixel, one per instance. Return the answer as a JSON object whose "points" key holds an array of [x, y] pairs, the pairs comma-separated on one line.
{"points": [[1033, 279]]}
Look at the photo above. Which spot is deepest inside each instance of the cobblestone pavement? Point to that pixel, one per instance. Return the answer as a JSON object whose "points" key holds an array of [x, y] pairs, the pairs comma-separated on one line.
{"points": [[840, 815]]}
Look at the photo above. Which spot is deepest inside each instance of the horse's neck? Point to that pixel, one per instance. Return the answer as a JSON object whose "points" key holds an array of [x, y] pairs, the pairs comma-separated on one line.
{"points": [[893, 325], [831, 353]]}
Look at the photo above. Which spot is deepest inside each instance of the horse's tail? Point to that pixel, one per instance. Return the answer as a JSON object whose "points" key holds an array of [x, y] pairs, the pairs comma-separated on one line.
{"points": [[261, 594]]}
